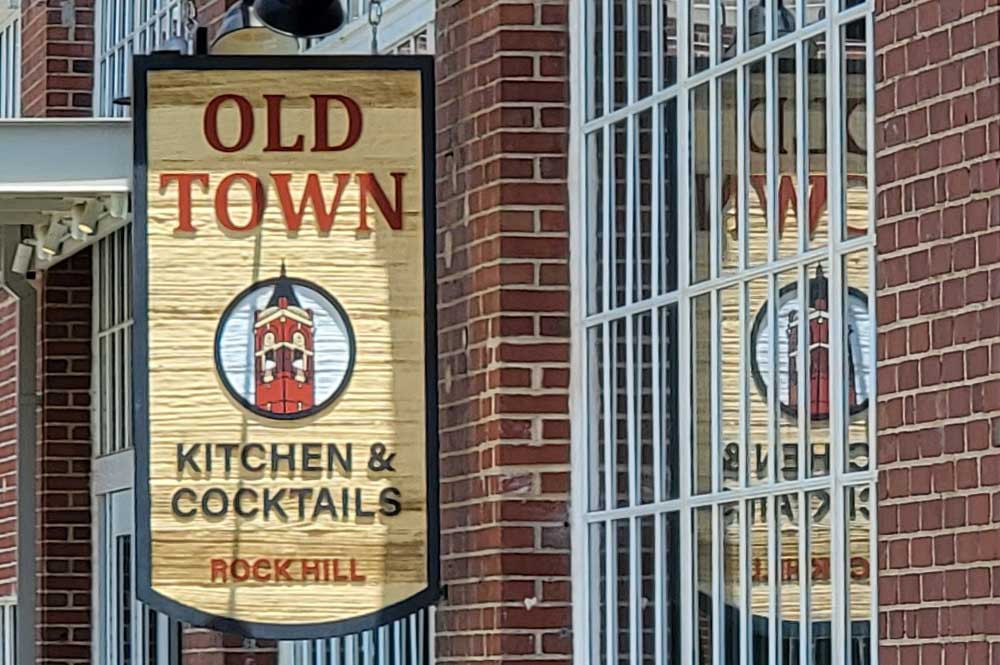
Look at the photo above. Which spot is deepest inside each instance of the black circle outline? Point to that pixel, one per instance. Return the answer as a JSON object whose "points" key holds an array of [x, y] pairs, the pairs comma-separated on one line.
{"points": [[758, 379], [351, 344]]}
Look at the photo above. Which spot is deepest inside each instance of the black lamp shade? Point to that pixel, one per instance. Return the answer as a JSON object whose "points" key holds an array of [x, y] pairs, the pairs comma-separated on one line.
{"points": [[301, 18]]}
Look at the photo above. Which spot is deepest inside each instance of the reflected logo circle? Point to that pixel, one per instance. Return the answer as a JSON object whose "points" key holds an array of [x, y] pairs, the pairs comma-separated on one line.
{"points": [[284, 348], [811, 365]]}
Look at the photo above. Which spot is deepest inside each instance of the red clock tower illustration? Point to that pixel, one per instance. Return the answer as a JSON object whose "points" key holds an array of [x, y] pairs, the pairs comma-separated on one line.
{"points": [[819, 353], [284, 369]]}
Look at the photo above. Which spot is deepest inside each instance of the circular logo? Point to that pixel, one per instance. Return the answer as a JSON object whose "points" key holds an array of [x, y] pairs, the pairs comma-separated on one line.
{"points": [[284, 348], [790, 366]]}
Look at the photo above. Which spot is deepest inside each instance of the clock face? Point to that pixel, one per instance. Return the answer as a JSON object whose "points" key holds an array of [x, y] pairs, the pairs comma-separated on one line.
{"points": [[284, 349], [793, 367]]}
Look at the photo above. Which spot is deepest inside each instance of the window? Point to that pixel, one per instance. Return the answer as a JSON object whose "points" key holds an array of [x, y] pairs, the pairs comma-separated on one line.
{"points": [[10, 64], [418, 43], [404, 642], [8, 630], [112, 376], [125, 28], [725, 428]]}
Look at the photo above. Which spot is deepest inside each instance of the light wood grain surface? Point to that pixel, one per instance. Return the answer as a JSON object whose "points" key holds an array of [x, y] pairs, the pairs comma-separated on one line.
{"points": [[378, 279]]}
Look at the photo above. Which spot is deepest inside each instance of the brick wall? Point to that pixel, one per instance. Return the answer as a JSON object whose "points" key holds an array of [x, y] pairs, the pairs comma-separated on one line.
{"points": [[8, 444], [503, 316], [938, 137], [63, 465], [57, 57]]}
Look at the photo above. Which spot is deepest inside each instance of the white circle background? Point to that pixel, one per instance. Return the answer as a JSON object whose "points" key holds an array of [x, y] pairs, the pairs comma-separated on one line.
{"points": [[331, 345], [860, 320]]}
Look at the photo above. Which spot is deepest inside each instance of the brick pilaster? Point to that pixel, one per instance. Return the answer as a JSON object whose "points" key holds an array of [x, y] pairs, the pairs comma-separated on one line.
{"points": [[57, 58], [63, 464], [938, 137], [504, 328], [8, 444]]}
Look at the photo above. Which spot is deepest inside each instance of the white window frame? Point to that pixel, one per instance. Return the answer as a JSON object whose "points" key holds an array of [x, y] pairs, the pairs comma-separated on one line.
{"points": [[8, 630], [839, 480], [124, 28], [10, 62]]}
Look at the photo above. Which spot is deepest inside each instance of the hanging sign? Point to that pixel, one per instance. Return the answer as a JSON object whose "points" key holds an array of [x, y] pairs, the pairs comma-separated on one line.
{"points": [[284, 353]]}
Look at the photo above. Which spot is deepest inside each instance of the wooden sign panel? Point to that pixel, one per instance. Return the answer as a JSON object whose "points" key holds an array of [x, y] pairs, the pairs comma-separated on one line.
{"points": [[284, 353]]}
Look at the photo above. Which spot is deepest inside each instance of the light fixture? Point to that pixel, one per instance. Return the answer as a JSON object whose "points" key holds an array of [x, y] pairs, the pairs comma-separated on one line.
{"points": [[83, 219], [117, 204], [300, 18], [241, 32], [51, 239], [22, 258]]}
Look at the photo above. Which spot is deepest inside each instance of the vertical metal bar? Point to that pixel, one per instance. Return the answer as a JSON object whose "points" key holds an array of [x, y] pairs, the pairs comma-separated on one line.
{"points": [[718, 586], [632, 438], [631, 47], [746, 593], [742, 171], [611, 599], [715, 389], [837, 421], [773, 533], [635, 590], [716, 110], [684, 325], [805, 579]]}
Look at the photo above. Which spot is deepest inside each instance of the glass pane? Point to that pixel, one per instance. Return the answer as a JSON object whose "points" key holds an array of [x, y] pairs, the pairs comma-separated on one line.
{"points": [[816, 132], [815, 10], [618, 394], [729, 176], [859, 574], [644, 44], [598, 592], [820, 589], [728, 27], [757, 112], [859, 354], [789, 335], [756, 22], [644, 231], [760, 590], [758, 379], [123, 586], [647, 589], [619, 208], [854, 124], [730, 398], [669, 197], [701, 202], [669, 422], [642, 328], [623, 596], [668, 14], [788, 142], [701, 393], [596, 427], [703, 585], [699, 31], [732, 564], [788, 578], [596, 209], [619, 51], [816, 366], [672, 557]]}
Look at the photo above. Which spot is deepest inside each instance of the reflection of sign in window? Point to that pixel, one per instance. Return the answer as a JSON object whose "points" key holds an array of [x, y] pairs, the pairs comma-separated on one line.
{"points": [[793, 368]]}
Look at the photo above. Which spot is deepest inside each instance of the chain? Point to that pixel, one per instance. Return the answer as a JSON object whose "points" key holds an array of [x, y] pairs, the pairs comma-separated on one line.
{"points": [[374, 18], [190, 21]]}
